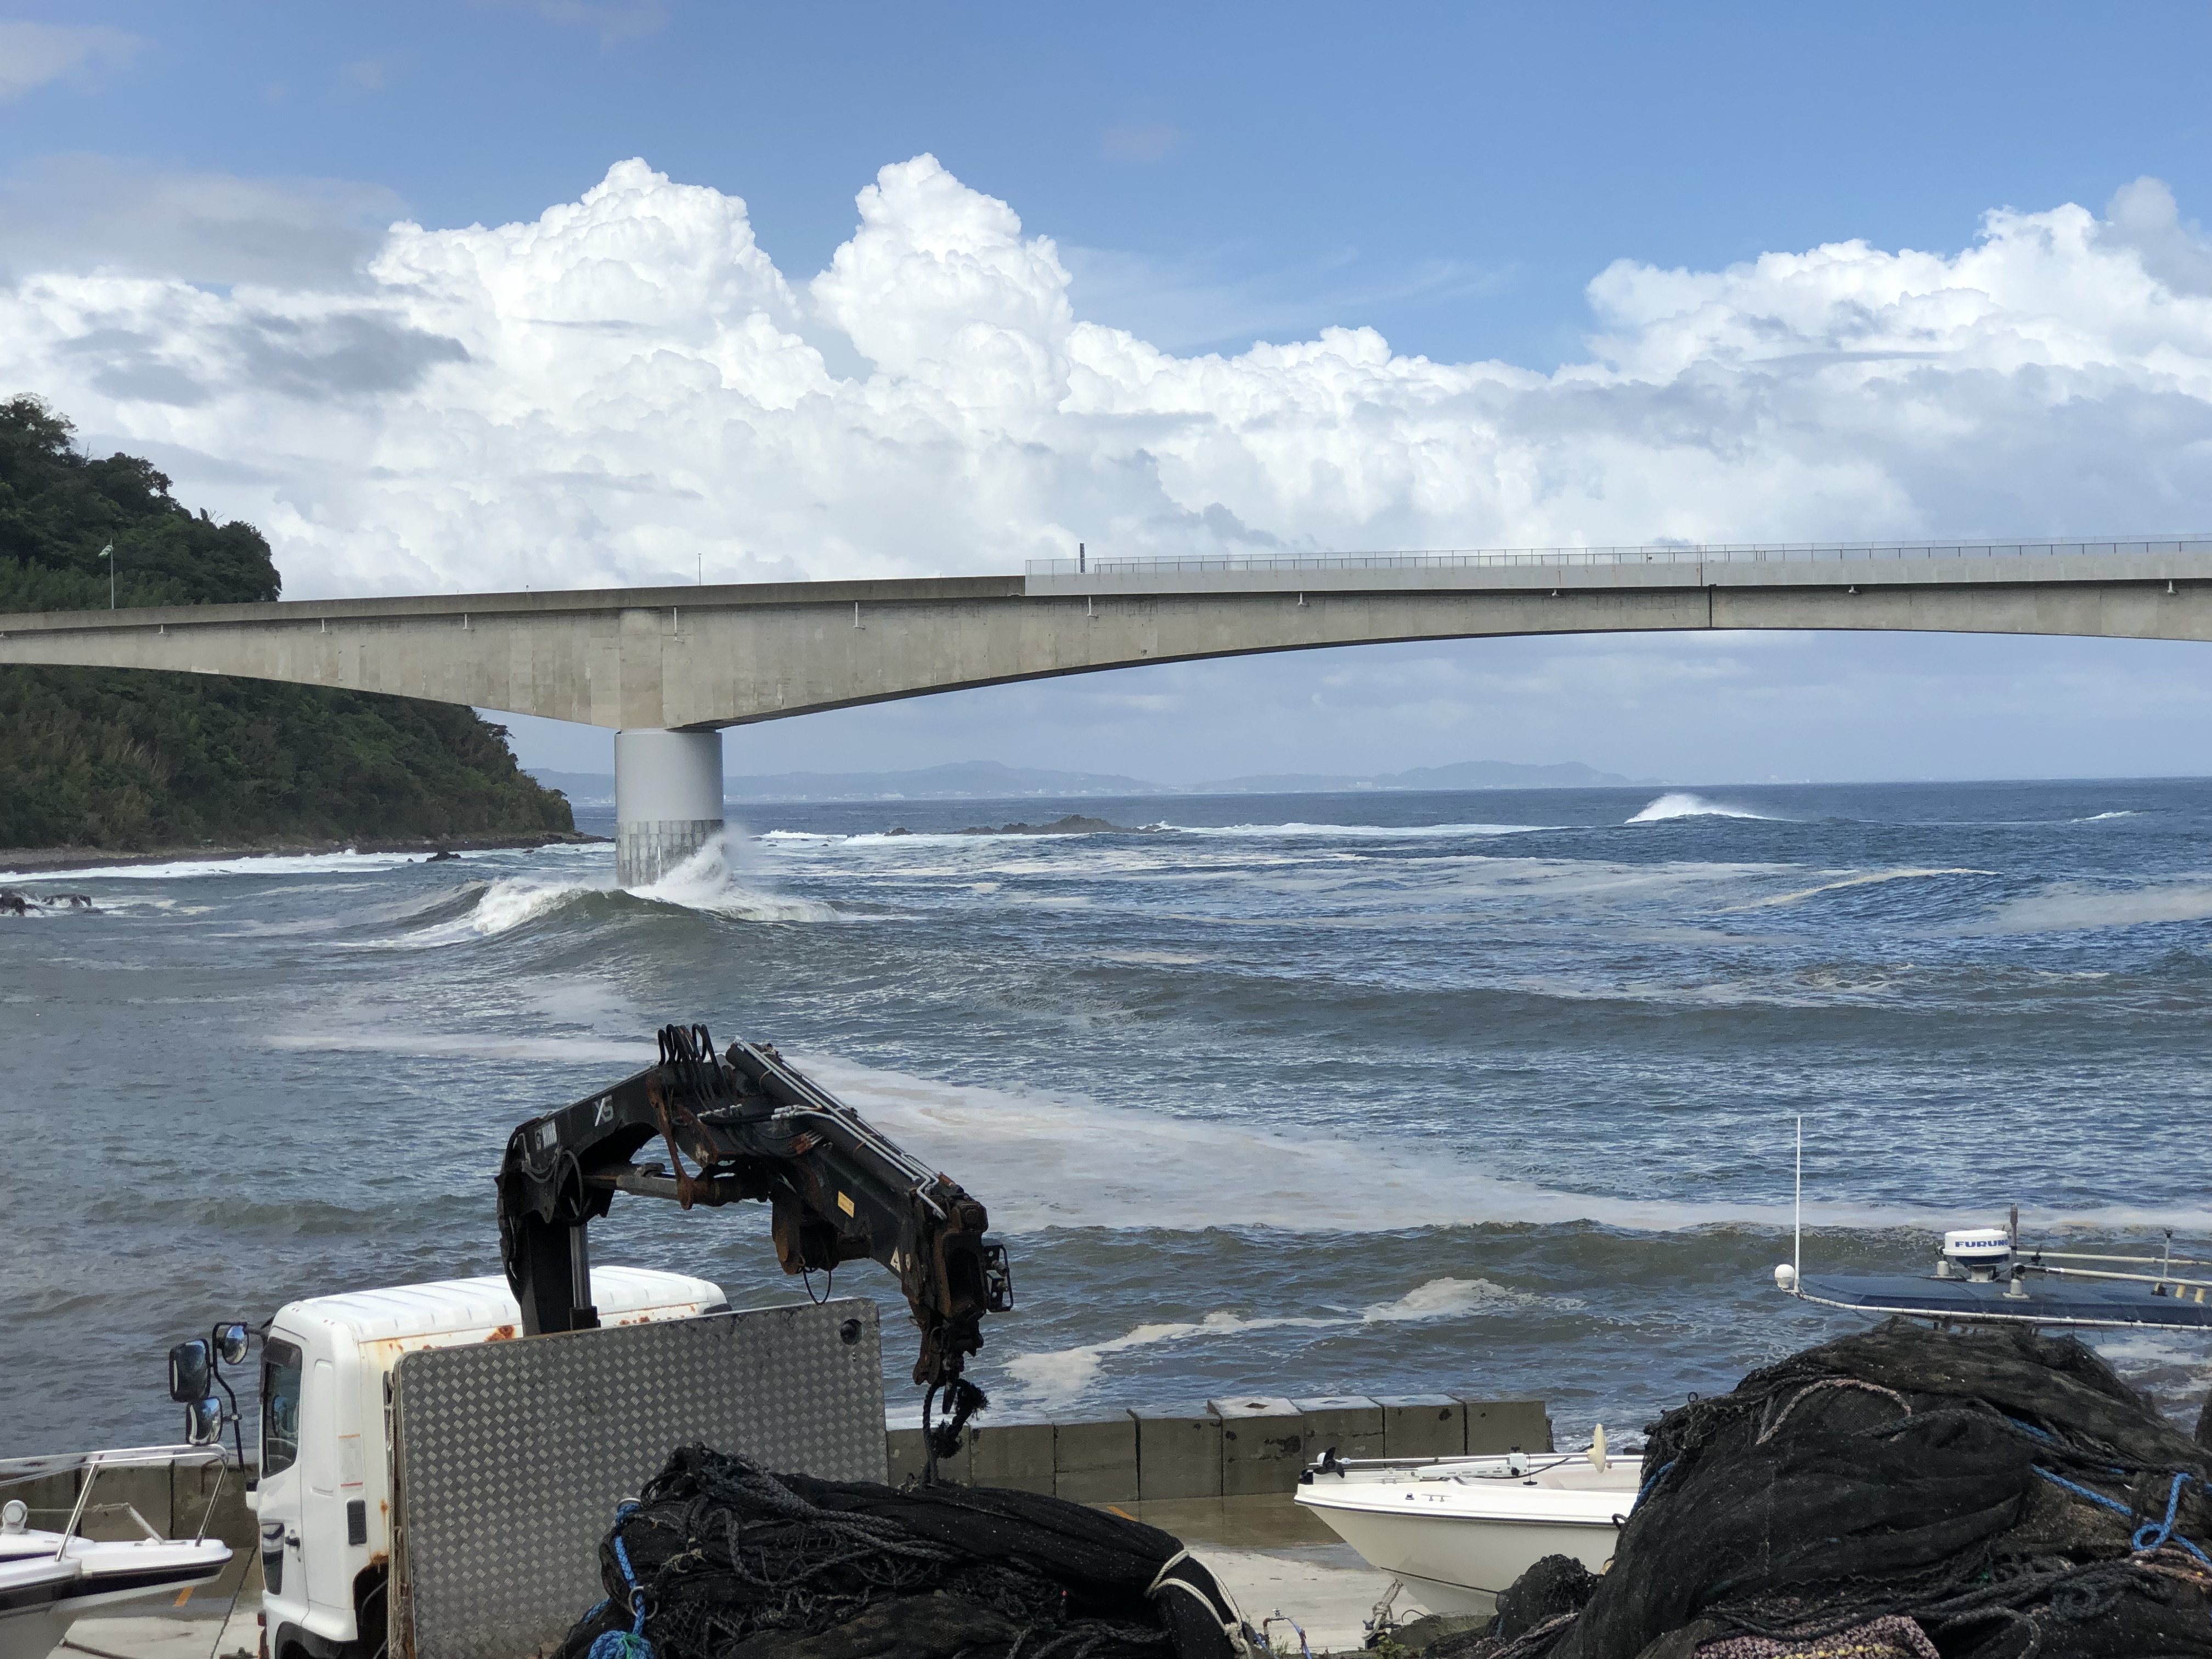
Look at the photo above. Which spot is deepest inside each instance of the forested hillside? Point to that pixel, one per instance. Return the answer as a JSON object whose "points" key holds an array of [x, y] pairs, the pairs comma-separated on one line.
{"points": [[105, 758]]}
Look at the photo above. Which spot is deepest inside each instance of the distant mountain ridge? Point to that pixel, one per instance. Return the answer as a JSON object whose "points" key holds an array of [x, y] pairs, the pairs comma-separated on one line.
{"points": [[1461, 775], [993, 780]]}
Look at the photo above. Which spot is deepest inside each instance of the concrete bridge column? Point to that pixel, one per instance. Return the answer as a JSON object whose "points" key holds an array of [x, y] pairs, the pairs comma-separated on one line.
{"points": [[668, 800]]}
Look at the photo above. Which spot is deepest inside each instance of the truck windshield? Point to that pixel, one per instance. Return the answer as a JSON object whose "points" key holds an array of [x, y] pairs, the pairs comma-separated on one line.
{"points": [[280, 1407]]}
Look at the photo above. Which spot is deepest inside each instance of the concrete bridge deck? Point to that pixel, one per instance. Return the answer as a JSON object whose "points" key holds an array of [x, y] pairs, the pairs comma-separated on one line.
{"points": [[669, 666]]}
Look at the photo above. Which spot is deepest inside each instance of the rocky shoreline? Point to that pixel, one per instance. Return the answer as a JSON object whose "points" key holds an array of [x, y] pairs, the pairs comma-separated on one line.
{"points": [[22, 862]]}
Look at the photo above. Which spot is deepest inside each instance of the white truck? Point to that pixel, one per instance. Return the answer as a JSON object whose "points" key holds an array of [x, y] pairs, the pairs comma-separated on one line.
{"points": [[438, 1462], [324, 1496]]}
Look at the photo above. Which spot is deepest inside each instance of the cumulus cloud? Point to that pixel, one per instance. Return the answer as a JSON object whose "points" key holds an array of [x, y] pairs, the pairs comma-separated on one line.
{"points": [[628, 382], [33, 54]]}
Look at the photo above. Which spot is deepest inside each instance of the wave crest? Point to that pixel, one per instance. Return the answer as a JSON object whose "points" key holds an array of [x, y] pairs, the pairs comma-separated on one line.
{"points": [[1057, 1376], [1681, 804]]}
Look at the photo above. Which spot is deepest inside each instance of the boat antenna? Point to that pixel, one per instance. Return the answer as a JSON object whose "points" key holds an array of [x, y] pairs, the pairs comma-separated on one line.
{"points": [[1797, 1240]]}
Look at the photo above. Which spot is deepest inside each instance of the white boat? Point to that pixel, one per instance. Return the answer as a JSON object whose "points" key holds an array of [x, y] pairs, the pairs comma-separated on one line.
{"points": [[49, 1580], [1457, 1530]]}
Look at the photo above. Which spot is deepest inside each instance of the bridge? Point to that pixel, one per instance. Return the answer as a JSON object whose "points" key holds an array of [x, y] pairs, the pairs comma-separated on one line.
{"points": [[668, 667]]}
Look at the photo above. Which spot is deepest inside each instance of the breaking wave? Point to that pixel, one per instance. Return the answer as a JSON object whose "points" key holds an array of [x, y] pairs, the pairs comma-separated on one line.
{"points": [[705, 882], [1681, 804], [1361, 831], [1059, 1375], [248, 864]]}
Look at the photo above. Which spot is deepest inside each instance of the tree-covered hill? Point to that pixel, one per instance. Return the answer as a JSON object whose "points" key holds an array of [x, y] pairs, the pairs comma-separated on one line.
{"points": [[132, 759]]}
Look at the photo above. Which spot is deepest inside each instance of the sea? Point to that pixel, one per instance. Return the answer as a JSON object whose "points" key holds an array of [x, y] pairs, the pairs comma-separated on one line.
{"points": [[1379, 1093]]}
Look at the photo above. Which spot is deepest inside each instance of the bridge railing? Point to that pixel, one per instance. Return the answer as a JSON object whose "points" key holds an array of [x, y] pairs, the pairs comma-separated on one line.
{"points": [[1714, 553]]}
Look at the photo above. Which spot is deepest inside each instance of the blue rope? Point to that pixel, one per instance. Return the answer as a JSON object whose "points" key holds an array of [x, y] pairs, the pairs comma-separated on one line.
{"points": [[2112, 1504], [1653, 1481], [2152, 1534], [625, 1643]]}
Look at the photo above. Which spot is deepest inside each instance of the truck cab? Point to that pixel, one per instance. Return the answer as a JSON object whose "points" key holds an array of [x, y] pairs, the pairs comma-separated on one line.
{"points": [[324, 1498]]}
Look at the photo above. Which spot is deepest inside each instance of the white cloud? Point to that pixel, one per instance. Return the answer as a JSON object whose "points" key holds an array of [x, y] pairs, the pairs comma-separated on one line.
{"points": [[33, 54], [606, 394]]}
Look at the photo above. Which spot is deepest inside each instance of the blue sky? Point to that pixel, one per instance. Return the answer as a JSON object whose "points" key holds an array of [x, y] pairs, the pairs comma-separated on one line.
{"points": [[1454, 178]]}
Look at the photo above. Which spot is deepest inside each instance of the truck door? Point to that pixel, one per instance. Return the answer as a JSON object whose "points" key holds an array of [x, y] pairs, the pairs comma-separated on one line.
{"points": [[327, 1585], [283, 1576]]}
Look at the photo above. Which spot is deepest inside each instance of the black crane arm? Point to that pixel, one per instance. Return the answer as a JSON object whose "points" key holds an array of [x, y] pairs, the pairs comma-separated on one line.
{"points": [[749, 1125]]}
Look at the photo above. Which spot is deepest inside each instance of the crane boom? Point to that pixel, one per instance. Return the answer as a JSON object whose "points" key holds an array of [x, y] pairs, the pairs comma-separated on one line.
{"points": [[750, 1125]]}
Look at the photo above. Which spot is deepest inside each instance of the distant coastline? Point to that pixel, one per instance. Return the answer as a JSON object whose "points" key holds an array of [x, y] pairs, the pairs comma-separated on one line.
{"points": [[993, 780]]}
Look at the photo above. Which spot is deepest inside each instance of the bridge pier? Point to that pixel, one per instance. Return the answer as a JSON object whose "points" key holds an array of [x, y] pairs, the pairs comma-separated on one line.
{"points": [[668, 800]]}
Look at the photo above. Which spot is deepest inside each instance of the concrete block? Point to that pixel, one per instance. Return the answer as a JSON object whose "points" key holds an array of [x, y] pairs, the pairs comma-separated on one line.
{"points": [[1423, 1426], [1095, 1461], [49, 1499], [145, 1490], [1496, 1426], [1178, 1453], [1350, 1423], [903, 1453], [1262, 1444], [1011, 1452], [217, 1494]]}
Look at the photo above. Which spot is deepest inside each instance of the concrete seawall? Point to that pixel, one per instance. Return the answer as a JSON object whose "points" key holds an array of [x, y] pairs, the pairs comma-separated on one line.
{"points": [[1241, 1446], [1244, 1445]]}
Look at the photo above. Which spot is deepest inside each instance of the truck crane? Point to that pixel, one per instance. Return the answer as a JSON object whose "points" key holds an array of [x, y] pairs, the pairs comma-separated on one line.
{"points": [[745, 1124], [749, 1126]]}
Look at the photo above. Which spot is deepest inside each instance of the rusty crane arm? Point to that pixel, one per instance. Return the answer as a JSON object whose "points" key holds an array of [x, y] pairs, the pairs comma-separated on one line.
{"points": [[747, 1124]]}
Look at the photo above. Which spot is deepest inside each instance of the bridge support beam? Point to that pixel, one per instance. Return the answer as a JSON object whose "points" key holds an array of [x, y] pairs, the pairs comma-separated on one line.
{"points": [[668, 800]]}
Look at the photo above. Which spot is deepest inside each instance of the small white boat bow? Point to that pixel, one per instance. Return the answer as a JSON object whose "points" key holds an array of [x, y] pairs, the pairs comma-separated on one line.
{"points": [[49, 1580], [1457, 1530]]}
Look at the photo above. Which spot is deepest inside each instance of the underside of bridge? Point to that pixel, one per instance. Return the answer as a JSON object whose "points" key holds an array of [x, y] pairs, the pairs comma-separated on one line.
{"points": [[666, 668]]}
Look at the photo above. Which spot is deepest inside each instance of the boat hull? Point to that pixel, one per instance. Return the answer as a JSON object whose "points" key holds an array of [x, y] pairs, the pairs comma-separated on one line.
{"points": [[42, 1596], [1458, 1564]]}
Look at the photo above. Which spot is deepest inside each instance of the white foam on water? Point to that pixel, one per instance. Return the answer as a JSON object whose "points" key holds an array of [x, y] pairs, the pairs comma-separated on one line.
{"points": [[1054, 1162], [703, 883], [1047, 1161], [259, 864], [1058, 1375], [709, 881], [1681, 804], [503, 905], [1869, 878], [1362, 831], [499, 1045], [2098, 817], [2070, 907]]}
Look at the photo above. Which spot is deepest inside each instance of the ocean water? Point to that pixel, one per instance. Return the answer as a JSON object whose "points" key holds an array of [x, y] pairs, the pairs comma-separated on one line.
{"points": [[1366, 1093]]}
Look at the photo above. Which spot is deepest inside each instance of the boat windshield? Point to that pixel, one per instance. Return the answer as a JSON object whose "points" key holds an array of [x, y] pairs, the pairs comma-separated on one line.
{"points": [[280, 1407]]}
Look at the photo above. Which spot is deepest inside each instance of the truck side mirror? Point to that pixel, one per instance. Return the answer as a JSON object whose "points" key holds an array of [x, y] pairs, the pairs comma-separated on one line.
{"points": [[230, 1345], [189, 1377], [203, 1422]]}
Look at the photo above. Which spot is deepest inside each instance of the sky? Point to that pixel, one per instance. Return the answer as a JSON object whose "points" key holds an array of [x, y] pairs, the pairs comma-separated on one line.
{"points": [[489, 294]]}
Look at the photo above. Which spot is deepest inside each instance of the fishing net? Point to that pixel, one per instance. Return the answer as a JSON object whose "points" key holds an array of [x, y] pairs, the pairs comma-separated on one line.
{"points": [[731, 1562], [1903, 1493]]}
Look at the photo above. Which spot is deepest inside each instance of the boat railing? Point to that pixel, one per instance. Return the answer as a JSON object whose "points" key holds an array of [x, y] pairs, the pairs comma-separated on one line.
{"points": [[16, 1471]]}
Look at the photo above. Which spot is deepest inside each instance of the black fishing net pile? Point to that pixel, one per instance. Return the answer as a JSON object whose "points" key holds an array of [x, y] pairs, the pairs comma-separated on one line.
{"points": [[736, 1563], [1900, 1494]]}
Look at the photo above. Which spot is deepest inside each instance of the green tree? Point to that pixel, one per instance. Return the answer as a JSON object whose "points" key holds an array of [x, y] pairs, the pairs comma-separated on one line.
{"points": [[110, 758]]}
